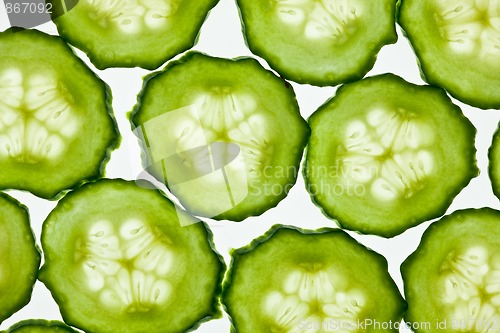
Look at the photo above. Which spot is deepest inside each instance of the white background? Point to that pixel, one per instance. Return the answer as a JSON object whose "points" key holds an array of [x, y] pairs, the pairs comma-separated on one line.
{"points": [[221, 36]]}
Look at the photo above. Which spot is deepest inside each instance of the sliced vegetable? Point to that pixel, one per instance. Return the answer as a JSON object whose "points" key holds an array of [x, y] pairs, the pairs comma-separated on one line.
{"points": [[320, 42], [225, 136], [494, 165], [56, 127], [293, 280], [139, 33], [19, 257], [39, 326], [118, 260], [452, 280], [457, 43], [386, 155]]}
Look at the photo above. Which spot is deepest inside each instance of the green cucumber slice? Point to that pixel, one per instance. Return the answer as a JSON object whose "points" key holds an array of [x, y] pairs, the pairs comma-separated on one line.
{"points": [[227, 143], [118, 260], [19, 257], [494, 165], [457, 43], [39, 326], [142, 33], [56, 126], [385, 155], [323, 42], [452, 280], [292, 280]]}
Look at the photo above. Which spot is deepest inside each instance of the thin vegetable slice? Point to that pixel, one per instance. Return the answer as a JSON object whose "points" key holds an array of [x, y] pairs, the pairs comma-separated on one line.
{"points": [[386, 155], [457, 43], [292, 280], [323, 42], [19, 257], [452, 280], [56, 126], [39, 326], [118, 260], [494, 165], [225, 136], [139, 33]]}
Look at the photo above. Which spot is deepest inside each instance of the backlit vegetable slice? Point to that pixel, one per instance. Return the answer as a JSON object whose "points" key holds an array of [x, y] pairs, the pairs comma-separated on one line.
{"points": [[292, 280], [386, 155], [56, 126], [494, 163], [131, 33], [458, 46], [320, 42], [117, 259], [39, 326], [225, 136], [452, 280], [19, 257]]}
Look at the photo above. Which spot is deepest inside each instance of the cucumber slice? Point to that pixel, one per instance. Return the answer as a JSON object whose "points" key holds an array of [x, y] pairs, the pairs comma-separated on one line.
{"points": [[323, 42], [299, 281], [494, 165], [19, 257], [452, 280], [227, 143], [457, 43], [126, 33], [56, 127], [39, 326], [386, 155], [118, 260]]}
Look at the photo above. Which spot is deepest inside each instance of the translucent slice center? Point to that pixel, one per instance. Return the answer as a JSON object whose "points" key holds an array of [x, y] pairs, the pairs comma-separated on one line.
{"points": [[225, 116], [315, 299], [132, 16], [332, 20], [471, 27], [470, 289], [36, 117], [387, 154], [127, 266]]}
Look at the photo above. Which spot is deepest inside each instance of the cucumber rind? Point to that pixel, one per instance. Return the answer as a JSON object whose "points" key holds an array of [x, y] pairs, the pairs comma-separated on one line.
{"points": [[238, 254], [30, 261], [494, 163], [302, 76], [428, 66], [42, 324], [157, 55], [212, 308], [352, 223], [246, 208], [440, 226], [95, 168]]}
